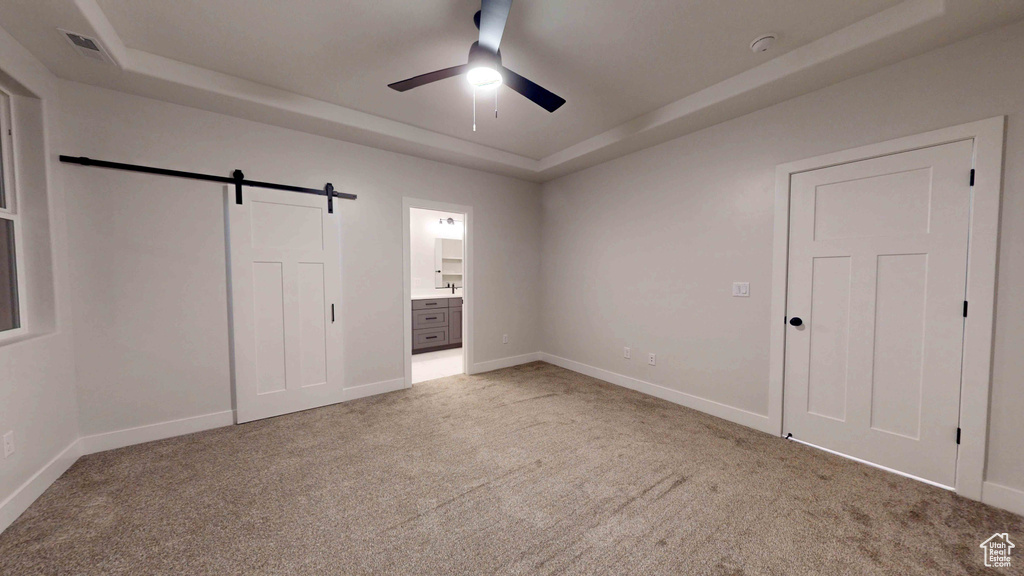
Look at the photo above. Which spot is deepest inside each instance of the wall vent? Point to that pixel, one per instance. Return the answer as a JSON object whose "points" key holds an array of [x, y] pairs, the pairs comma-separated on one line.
{"points": [[88, 47]]}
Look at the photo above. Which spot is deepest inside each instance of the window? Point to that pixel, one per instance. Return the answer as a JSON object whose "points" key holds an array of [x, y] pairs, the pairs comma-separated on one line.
{"points": [[10, 306]]}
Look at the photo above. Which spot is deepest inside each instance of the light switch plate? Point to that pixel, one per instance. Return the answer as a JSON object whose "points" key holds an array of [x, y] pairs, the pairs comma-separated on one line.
{"points": [[626, 353], [741, 289], [8, 443]]}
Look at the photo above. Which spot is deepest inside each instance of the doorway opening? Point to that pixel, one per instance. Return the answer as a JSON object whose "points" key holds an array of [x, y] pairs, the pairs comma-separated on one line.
{"points": [[436, 278]]}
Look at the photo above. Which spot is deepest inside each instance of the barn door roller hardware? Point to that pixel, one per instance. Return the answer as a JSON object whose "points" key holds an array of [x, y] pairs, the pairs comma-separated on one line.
{"points": [[237, 179]]}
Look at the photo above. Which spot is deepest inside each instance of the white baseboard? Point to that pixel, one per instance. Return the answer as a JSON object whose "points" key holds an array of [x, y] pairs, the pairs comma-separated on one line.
{"points": [[1003, 497], [364, 390], [737, 415], [34, 487], [481, 367], [158, 431]]}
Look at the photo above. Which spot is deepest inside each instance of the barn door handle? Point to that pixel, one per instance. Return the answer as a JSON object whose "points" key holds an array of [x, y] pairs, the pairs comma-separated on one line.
{"points": [[796, 321]]}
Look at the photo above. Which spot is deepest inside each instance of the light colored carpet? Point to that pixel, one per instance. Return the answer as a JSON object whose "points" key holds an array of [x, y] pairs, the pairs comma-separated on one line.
{"points": [[529, 470]]}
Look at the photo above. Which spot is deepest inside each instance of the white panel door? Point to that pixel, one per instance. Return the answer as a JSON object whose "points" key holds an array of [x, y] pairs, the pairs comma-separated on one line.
{"points": [[285, 292], [877, 275]]}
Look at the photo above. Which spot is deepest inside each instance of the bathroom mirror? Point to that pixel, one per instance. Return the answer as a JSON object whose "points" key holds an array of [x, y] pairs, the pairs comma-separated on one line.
{"points": [[448, 265]]}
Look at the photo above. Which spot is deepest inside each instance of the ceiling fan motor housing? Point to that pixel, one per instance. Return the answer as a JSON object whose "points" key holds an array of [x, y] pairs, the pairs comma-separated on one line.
{"points": [[480, 56]]}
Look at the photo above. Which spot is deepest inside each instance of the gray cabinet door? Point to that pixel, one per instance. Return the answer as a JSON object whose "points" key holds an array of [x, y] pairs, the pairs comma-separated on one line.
{"points": [[455, 325]]}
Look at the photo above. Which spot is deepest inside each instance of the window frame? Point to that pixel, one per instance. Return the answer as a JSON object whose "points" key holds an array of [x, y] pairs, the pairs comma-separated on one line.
{"points": [[8, 156]]}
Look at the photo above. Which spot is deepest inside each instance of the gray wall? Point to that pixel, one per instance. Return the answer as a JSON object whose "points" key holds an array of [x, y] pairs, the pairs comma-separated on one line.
{"points": [[642, 251], [148, 253], [37, 374]]}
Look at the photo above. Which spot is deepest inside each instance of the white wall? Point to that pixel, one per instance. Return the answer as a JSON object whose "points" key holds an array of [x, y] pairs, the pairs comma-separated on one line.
{"points": [[642, 251], [423, 231], [148, 253], [37, 380]]}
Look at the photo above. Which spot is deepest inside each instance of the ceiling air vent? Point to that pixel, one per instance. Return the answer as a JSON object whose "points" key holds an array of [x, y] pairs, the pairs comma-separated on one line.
{"points": [[88, 47]]}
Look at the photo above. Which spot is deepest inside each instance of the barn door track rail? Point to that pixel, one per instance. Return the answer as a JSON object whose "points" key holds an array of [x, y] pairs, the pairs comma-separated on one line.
{"points": [[237, 179]]}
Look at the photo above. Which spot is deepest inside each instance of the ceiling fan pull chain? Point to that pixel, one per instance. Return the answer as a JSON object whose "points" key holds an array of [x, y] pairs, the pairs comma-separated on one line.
{"points": [[474, 108]]}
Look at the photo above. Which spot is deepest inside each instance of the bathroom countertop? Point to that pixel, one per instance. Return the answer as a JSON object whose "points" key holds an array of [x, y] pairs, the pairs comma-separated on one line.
{"points": [[437, 294]]}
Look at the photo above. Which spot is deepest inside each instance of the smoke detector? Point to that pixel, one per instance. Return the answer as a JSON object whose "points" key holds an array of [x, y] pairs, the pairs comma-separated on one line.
{"points": [[88, 47], [763, 44]]}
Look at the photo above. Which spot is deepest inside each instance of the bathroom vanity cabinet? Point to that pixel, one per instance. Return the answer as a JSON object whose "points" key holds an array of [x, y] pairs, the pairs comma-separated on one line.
{"points": [[436, 324]]}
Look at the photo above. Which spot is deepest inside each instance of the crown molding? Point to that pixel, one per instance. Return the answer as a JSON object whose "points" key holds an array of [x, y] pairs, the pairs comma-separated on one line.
{"points": [[796, 72]]}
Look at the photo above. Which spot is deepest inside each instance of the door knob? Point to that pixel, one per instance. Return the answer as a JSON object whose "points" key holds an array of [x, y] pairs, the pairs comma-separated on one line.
{"points": [[796, 321]]}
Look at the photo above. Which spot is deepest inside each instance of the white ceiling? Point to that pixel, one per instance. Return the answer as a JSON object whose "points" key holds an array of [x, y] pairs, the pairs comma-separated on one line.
{"points": [[614, 61], [611, 59]]}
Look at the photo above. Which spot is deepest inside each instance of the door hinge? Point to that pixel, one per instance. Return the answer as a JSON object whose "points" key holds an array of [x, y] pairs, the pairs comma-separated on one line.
{"points": [[332, 313], [965, 308], [957, 435], [972, 176]]}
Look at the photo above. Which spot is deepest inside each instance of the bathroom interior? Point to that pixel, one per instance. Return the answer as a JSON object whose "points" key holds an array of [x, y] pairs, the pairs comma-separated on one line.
{"points": [[437, 260]]}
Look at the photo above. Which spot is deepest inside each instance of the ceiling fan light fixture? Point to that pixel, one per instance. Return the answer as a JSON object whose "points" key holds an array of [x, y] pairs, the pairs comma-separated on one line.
{"points": [[483, 68], [484, 77]]}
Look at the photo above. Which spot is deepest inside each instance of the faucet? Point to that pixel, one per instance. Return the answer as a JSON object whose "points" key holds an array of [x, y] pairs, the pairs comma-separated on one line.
{"points": [[453, 288]]}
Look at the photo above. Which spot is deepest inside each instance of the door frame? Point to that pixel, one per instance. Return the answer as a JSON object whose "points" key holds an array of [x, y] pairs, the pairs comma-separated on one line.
{"points": [[976, 371], [467, 281]]}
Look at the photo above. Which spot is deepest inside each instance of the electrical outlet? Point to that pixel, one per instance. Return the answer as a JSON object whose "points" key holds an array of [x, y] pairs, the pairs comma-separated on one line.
{"points": [[504, 339], [626, 353], [651, 358], [8, 443], [741, 289]]}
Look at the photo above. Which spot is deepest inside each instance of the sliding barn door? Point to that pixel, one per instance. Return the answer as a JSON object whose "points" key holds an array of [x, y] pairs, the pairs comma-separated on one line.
{"points": [[877, 275], [285, 293]]}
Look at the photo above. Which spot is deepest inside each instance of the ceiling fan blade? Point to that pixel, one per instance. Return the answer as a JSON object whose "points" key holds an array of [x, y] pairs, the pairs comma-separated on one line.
{"points": [[417, 81], [493, 15], [533, 91]]}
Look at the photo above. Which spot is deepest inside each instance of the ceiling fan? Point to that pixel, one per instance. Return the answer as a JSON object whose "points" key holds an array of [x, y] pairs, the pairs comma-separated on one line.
{"points": [[484, 69]]}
